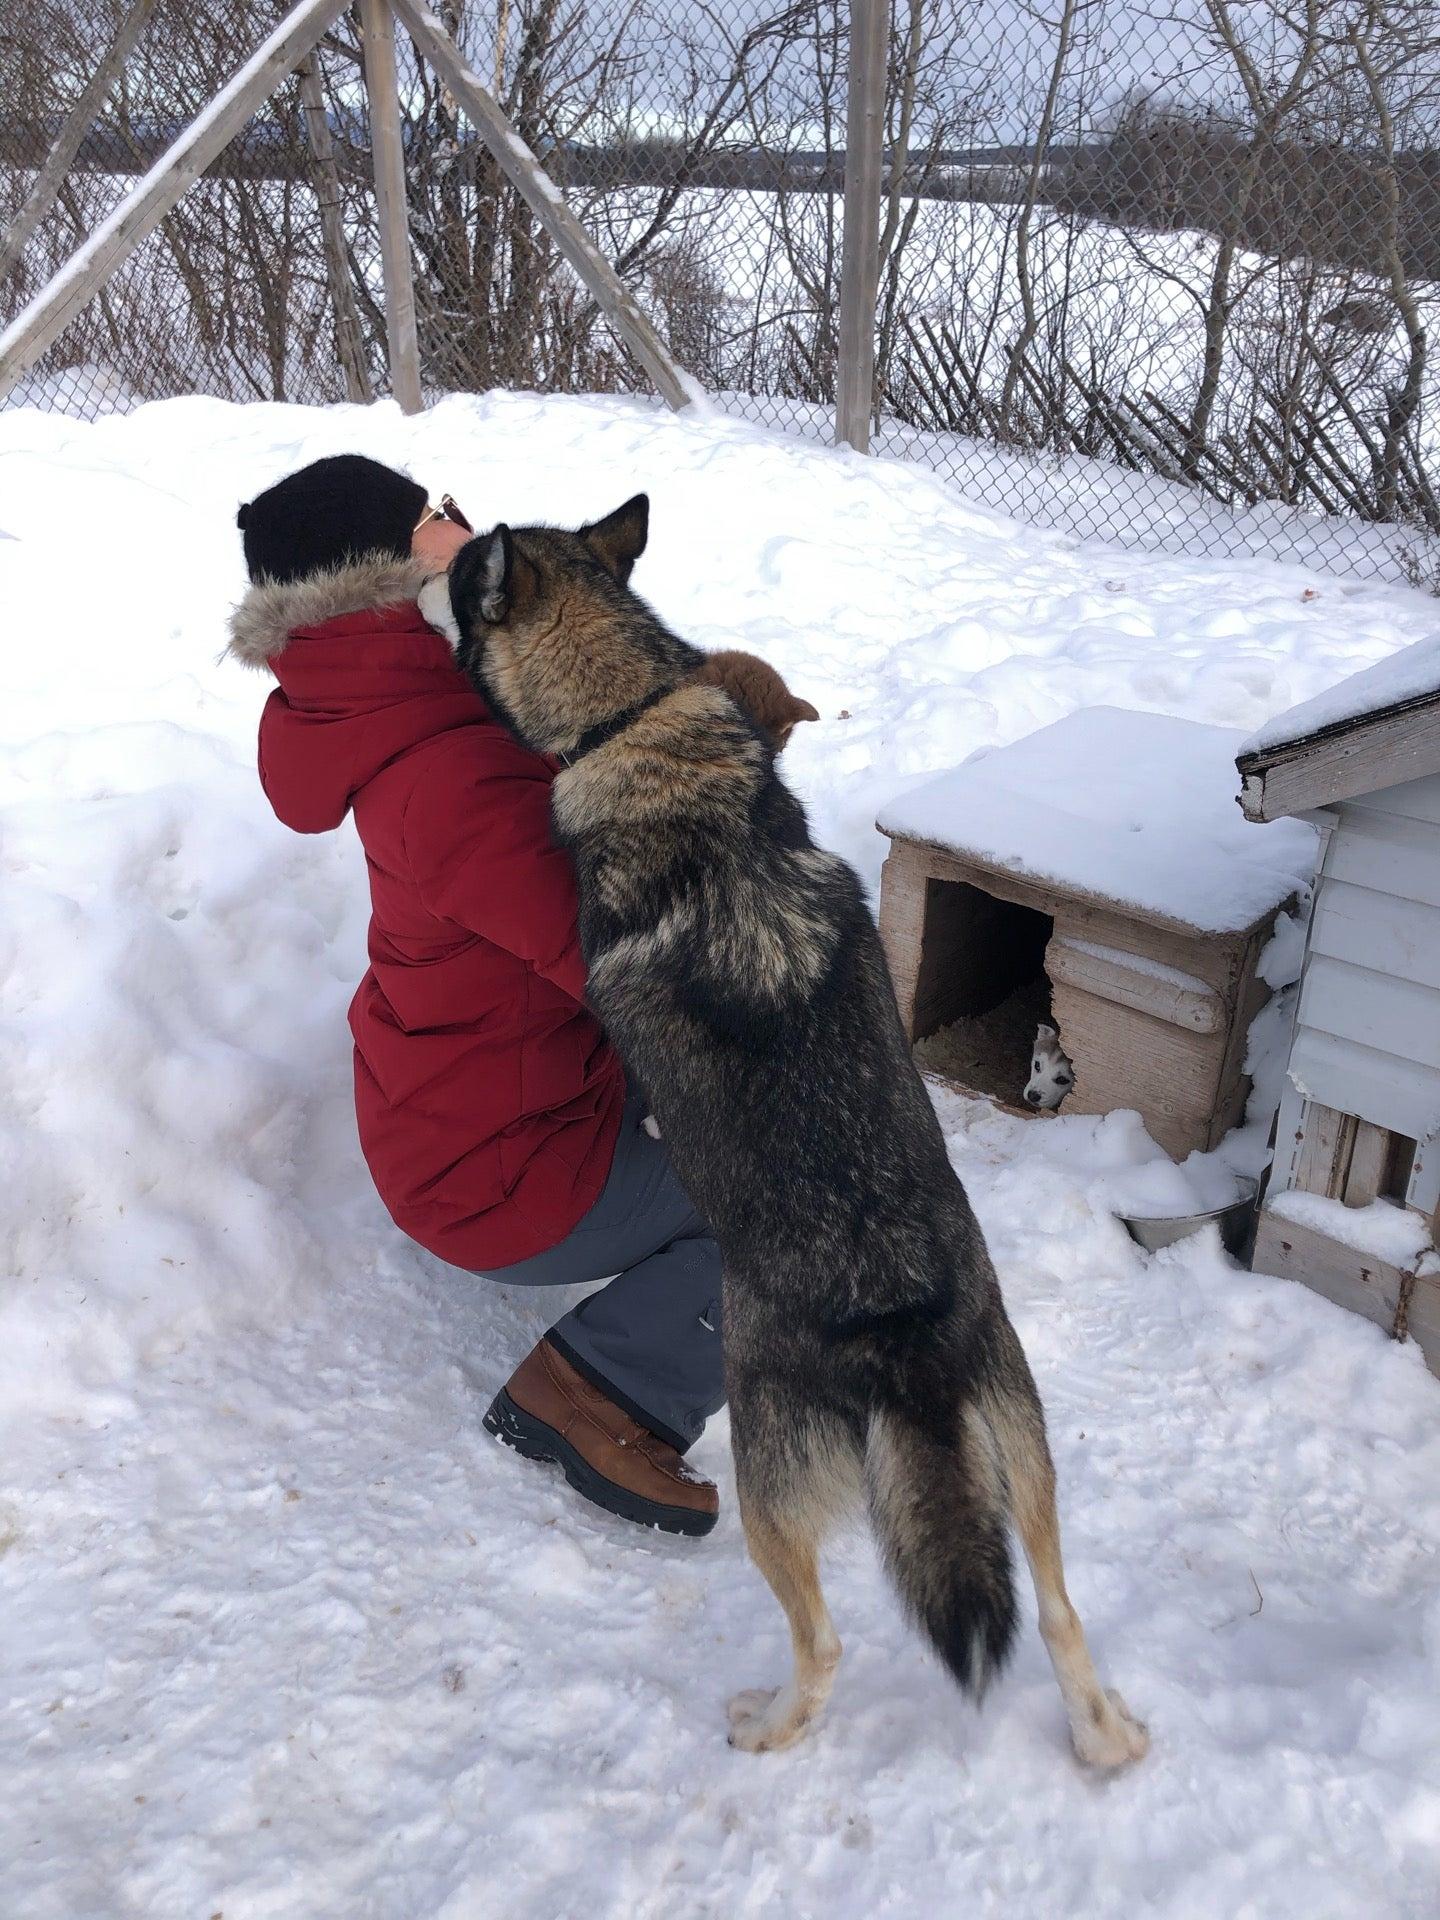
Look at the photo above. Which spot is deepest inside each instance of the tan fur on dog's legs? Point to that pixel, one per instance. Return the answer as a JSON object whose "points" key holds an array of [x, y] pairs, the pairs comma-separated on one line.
{"points": [[1103, 1730], [763, 1719]]}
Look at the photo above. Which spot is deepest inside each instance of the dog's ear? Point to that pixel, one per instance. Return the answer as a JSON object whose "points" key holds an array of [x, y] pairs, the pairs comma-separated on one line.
{"points": [[1044, 1034], [504, 579], [791, 712], [619, 539]]}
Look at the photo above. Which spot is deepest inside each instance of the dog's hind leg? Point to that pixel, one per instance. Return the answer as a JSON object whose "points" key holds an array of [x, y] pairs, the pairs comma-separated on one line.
{"points": [[1102, 1729], [786, 1550], [796, 1470]]}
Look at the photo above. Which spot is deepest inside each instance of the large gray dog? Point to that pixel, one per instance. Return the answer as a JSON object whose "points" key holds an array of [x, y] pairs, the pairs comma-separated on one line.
{"points": [[867, 1350]]}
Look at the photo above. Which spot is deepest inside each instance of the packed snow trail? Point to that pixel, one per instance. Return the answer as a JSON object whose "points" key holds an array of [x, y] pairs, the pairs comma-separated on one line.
{"points": [[282, 1632]]}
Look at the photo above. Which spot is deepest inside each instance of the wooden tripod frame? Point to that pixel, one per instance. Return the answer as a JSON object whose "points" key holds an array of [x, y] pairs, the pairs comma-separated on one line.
{"points": [[285, 50]]}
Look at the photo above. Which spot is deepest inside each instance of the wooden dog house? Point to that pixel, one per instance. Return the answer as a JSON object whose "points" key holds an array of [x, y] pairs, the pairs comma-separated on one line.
{"points": [[1353, 1201], [1096, 873]]}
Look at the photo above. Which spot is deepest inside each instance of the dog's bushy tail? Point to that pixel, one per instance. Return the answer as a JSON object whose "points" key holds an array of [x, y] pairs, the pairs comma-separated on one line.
{"points": [[939, 1509]]}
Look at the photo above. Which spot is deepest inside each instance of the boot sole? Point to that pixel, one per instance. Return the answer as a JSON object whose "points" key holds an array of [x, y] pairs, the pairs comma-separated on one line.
{"points": [[514, 1427]]}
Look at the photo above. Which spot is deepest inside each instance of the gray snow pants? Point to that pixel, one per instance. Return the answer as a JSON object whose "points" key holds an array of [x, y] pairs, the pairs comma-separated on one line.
{"points": [[651, 1338]]}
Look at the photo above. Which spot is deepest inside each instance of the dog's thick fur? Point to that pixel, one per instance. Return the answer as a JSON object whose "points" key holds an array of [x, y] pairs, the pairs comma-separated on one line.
{"points": [[735, 964]]}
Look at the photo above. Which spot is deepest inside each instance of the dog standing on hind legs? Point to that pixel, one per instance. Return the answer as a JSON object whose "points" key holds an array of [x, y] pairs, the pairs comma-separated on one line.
{"points": [[737, 968]]}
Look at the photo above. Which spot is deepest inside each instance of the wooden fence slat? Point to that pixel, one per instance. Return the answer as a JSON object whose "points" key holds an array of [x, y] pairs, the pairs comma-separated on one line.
{"points": [[1325, 1150], [387, 155], [860, 241], [61, 158], [145, 206], [547, 203], [388, 162], [349, 338], [1369, 1159]]}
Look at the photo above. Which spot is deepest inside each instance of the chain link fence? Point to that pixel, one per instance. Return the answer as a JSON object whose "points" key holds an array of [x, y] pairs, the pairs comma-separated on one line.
{"points": [[1161, 271]]}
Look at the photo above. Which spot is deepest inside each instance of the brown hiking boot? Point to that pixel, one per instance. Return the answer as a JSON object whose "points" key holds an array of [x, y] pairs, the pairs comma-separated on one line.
{"points": [[549, 1411]]}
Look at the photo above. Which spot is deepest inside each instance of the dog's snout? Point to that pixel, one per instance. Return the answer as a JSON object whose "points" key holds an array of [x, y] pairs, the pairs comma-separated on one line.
{"points": [[1032, 1096]]}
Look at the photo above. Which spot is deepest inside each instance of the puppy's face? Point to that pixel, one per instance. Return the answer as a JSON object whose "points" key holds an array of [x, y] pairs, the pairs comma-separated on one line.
{"points": [[1051, 1073], [544, 626]]}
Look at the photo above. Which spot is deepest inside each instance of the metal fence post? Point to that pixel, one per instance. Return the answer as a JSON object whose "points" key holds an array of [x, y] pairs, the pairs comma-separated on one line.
{"points": [[377, 34], [860, 253]]}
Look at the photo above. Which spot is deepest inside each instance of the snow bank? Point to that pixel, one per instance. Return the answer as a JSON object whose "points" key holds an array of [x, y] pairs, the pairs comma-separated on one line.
{"points": [[284, 1634], [1138, 808]]}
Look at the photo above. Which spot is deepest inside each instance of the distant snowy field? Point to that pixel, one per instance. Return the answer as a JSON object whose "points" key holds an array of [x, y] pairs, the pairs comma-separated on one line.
{"points": [[283, 1635]]}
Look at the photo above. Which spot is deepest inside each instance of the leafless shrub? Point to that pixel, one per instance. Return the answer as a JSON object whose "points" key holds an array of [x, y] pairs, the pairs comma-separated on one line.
{"points": [[1237, 293]]}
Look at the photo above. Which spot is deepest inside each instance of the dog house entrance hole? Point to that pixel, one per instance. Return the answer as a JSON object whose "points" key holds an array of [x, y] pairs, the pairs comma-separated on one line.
{"points": [[982, 988]]}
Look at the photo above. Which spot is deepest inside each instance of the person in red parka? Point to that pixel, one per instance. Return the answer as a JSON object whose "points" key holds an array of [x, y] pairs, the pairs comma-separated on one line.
{"points": [[493, 1114]]}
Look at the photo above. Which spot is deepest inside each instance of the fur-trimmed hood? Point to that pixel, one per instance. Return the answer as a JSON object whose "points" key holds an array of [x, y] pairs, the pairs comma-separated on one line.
{"points": [[361, 678], [272, 610]]}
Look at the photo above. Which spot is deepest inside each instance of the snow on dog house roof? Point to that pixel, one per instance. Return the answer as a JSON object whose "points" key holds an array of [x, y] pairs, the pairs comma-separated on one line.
{"points": [[1374, 730], [1134, 808]]}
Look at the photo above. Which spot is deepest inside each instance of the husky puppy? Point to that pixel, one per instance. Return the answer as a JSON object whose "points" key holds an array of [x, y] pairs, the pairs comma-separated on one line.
{"points": [[869, 1359], [758, 690], [1052, 1073]]}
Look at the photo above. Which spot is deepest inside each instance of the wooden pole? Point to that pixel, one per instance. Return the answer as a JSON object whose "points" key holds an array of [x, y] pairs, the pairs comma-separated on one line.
{"points": [[860, 251], [83, 116], [546, 202], [387, 149], [152, 197], [349, 339]]}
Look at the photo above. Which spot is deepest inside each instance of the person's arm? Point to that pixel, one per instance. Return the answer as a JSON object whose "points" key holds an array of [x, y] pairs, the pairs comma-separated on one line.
{"points": [[477, 835]]}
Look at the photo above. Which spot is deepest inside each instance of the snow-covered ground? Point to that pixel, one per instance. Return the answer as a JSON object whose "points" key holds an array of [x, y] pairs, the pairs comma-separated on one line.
{"points": [[282, 1633]]}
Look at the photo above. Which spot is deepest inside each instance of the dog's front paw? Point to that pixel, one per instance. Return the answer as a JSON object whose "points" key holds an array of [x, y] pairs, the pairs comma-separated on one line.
{"points": [[1112, 1737]]}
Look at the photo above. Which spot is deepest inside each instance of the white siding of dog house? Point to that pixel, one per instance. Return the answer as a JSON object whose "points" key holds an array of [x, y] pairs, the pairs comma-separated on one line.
{"points": [[1367, 1032]]}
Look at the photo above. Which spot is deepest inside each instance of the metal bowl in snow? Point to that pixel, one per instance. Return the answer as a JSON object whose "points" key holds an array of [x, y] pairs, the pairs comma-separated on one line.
{"points": [[1236, 1222]]}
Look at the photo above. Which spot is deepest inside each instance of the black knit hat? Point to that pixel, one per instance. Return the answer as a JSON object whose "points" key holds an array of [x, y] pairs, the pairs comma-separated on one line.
{"points": [[330, 512]]}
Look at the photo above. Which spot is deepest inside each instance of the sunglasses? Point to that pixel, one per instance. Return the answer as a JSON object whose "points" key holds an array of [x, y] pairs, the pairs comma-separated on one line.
{"points": [[447, 510]]}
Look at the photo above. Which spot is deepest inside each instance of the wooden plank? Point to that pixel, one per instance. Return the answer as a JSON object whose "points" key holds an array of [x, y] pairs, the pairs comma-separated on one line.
{"points": [[1369, 1161], [1326, 1138], [1358, 1281], [1389, 855], [1422, 1318], [1198, 1008], [145, 206], [1422, 1191], [387, 153], [349, 337], [1166, 1073], [902, 926], [676, 387], [1372, 1009], [79, 122], [1289, 1138], [1370, 928], [860, 247], [1383, 750]]}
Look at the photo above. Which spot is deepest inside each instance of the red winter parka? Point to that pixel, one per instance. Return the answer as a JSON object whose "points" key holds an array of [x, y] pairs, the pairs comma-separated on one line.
{"points": [[488, 1100]]}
